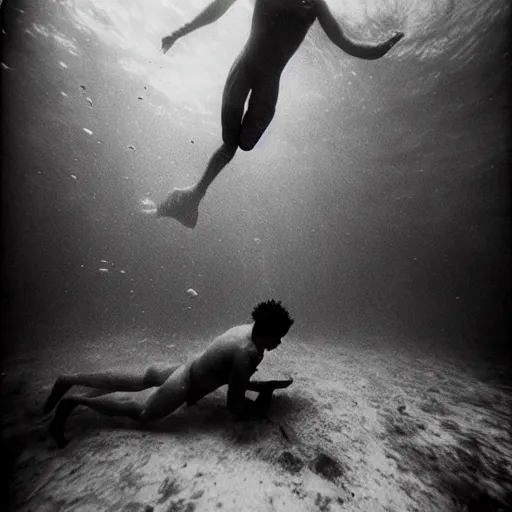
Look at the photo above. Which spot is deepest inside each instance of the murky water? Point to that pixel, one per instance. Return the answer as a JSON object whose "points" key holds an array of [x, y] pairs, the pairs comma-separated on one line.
{"points": [[377, 203]]}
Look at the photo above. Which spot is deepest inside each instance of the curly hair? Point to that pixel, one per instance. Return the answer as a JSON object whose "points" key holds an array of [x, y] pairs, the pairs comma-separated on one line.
{"points": [[272, 315]]}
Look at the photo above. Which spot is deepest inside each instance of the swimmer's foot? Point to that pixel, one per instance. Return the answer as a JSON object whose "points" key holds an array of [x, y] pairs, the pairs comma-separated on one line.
{"points": [[181, 204], [60, 388], [56, 427]]}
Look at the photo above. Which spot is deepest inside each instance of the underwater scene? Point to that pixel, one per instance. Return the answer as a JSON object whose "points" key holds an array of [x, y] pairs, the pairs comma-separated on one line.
{"points": [[317, 191]]}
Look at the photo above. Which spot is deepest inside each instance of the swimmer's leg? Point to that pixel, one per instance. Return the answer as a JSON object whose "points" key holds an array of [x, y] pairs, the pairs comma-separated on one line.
{"points": [[260, 112], [183, 204], [162, 402], [108, 381]]}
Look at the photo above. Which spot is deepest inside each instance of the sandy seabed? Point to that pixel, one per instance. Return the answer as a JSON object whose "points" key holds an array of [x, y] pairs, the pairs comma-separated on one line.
{"points": [[366, 426]]}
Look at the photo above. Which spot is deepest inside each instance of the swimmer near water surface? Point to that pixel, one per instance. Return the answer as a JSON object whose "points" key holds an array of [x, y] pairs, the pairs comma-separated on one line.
{"points": [[277, 31], [231, 359]]}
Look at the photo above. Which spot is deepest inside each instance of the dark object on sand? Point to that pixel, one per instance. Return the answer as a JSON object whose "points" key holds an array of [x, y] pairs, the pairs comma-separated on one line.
{"points": [[326, 466], [283, 432], [290, 462]]}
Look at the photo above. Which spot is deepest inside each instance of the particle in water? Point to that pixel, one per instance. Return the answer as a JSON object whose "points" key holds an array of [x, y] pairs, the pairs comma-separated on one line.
{"points": [[148, 206], [86, 130]]}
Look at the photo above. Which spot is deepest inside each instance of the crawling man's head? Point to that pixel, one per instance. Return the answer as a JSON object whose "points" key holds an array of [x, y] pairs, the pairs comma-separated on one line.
{"points": [[271, 322]]}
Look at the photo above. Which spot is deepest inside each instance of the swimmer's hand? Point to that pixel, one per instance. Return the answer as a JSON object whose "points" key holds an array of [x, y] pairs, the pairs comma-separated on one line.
{"points": [[168, 41]]}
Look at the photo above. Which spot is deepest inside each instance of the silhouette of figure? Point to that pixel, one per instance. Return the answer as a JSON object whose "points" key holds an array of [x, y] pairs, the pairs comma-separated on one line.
{"points": [[278, 29], [231, 359]]}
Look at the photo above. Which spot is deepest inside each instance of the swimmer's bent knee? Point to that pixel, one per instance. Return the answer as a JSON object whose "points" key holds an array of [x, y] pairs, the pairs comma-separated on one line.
{"points": [[230, 137], [242, 139], [234, 140], [246, 145], [253, 128]]}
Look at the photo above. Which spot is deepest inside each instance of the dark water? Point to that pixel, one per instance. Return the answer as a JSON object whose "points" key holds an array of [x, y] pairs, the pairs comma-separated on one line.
{"points": [[377, 203]]}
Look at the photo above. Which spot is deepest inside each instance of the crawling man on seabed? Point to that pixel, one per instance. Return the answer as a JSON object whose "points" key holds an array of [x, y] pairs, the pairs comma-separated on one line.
{"points": [[231, 359]]}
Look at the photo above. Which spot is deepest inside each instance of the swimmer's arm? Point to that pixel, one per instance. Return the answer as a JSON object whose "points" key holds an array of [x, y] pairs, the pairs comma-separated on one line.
{"points": [[208, 15], [355, 49]]}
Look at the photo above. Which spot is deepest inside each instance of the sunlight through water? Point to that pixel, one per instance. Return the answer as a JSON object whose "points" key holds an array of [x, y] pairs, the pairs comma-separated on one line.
{"points": [[200, 64]]}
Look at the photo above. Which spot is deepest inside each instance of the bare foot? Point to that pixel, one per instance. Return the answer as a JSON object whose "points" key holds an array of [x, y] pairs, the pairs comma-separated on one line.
{"points": [[56, 426], [60, 388], [181, 204]]}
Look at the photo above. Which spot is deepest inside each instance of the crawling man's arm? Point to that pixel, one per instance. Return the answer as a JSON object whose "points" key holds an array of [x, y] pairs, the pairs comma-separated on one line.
{"points": [[241, 372]]}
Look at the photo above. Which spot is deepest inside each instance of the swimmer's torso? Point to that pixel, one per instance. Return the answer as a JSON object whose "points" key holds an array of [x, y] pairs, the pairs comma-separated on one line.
{"points": [[278, 28], [213, 367]]}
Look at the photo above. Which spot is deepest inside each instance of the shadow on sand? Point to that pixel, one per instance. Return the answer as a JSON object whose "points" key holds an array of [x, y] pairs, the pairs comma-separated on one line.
{"points": [[464, 464]]}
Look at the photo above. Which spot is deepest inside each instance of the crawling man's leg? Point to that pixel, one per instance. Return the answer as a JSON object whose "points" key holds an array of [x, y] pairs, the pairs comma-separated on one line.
{"points": [[109, 381], [162, 402]]}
